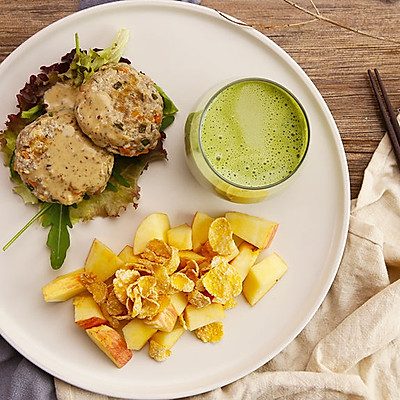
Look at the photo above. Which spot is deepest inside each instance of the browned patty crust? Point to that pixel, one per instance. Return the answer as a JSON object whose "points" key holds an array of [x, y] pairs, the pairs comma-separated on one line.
{"points": [[120, 109]]}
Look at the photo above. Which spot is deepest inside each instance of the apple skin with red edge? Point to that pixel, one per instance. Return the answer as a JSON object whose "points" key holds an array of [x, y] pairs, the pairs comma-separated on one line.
{"points": [[255, 230], [64, 287], [111, 343], [87, 312]]}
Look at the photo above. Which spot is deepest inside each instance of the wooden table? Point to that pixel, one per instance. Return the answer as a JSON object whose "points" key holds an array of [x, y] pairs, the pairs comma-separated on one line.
{"points": [[335, 58]]}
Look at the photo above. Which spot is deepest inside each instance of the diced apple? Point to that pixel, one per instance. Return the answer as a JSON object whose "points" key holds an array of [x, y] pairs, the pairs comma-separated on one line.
{"points": [[198, 317], [165, 320], [255, 230], [63, 287], [188, 255], [101, 261], [87, 312], [262, 277], [154, 226], [200, 226], [137, 333], [127, 256], [179, 301], [111, 343], [245, 259], [180, 237], [168, 339]]}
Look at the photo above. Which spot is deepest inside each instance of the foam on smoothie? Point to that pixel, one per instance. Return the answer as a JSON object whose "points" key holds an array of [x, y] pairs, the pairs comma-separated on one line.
{"points": [[254, 134]]}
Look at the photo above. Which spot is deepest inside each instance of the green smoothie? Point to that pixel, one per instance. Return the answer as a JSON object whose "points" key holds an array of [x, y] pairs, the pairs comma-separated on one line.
{"points": [[253, 134]]}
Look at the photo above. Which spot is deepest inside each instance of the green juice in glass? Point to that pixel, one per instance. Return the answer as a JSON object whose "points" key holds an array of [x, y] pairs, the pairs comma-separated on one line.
{"points": [[248, 140]]}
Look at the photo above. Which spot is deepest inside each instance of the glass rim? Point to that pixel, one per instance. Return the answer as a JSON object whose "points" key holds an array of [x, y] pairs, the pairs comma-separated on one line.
{"points": [[288, 92]]}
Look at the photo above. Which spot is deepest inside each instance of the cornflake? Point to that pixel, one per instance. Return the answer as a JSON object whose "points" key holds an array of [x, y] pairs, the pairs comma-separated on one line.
{"points": [[220, 237], [96, 288], [123, 279], [230, 303], [114, 305], [134, 301], [211, 332], [157, 351], [181, 282], [223, 282], [198, 299], [149, 308]]}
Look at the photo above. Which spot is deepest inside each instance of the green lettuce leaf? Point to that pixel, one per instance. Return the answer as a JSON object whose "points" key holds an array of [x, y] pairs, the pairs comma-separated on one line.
{"points": [[85, 64], [169, 106]]}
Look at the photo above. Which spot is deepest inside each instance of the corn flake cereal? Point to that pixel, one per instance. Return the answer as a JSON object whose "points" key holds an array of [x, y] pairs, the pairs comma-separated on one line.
{"points": [[181, 282], [149, 309], [220, 237], [96, 288], [147, 286], [113, 304], [172, 264], [223, 282], [230, 303], [163, 279], [211, 332], [124, 278], [158, 352], [198, 299], [159, 248], [134, 301]]}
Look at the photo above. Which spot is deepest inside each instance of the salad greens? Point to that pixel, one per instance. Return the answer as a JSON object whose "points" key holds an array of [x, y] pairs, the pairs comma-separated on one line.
{"points": [[85, 64], [57, 217], [122, 189]]}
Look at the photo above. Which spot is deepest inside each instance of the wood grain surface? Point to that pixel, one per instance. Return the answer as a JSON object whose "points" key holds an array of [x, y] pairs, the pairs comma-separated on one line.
{"points": [[335, 58]]}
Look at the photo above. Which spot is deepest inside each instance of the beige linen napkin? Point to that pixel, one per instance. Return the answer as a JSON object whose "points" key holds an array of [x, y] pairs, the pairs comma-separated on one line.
{"points": [[351, 347]]}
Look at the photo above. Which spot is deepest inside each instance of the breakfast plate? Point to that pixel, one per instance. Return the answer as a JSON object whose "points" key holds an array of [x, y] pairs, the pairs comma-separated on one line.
{"points": [[187, 50]]}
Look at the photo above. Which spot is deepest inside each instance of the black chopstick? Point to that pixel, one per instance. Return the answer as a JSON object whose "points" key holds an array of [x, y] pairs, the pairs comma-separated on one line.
{"points": [[387, 112]]}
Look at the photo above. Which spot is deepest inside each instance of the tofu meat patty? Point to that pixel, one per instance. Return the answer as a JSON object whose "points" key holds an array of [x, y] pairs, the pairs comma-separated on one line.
{"points": [[120, 109], [58, 161]]}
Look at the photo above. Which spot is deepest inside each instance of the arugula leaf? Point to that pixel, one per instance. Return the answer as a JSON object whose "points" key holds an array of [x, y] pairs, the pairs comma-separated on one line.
{"points": [[41, 212], [57, 216]]}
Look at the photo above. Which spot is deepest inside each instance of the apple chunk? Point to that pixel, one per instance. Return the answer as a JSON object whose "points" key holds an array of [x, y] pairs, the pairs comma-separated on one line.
{"points": [[63, 287], [168, 339], [111, 343], [127, 256], [179, 301], [165, 320], [137, 333], [101, 261], [87, 312], [154, 226], [200, 226], [255, 230], [262, 277], [198, 317], [245, 259], [180, 237]]}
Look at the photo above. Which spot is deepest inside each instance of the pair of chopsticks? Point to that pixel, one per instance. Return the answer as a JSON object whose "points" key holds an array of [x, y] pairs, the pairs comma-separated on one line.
{"points": [[387, 111]]}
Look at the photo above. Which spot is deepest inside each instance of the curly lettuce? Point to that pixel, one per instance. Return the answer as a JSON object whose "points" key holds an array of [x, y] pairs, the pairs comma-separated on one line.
{"points": [[85, 64]]}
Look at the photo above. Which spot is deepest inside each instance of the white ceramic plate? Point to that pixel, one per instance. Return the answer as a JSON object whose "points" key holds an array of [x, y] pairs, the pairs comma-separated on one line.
{"points": [[187, 50]]}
